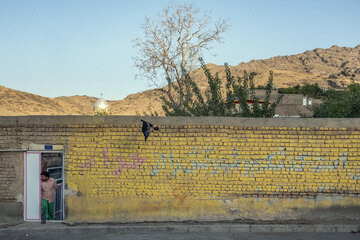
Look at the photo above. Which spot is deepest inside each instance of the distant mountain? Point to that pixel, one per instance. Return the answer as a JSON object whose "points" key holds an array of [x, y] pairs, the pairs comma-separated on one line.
{"points": [[13, 103], [333, 67]]}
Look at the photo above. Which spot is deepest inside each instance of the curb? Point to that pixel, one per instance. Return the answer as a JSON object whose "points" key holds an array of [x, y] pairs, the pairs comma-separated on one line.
{"points": [[180, 228]]}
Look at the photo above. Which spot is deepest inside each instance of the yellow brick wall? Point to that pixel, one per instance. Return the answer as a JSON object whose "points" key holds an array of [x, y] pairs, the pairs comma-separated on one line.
{"points": [[209, 172], [201, 169]]}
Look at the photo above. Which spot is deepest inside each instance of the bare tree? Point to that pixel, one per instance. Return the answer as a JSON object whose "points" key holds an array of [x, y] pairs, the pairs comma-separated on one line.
{"points": [[172, 44]]}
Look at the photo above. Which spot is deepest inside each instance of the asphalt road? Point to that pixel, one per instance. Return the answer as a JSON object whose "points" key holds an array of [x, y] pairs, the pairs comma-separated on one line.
{"points": [[176, 236]]}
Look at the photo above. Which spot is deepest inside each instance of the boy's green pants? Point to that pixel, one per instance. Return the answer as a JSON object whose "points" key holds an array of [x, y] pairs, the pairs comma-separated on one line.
{"points": [[47, 208]]}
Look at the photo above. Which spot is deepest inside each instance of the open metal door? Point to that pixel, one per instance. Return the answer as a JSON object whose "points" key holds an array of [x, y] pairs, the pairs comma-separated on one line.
{"points": [[32, 191]]}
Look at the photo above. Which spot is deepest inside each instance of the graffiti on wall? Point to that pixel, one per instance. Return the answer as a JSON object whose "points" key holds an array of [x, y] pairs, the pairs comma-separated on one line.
{"points": [[201, 160], [119, 165], [248, 167]]}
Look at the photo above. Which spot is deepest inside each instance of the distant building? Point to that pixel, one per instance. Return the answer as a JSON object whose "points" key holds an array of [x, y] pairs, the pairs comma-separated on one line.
{"points": [[296, 105], [292, 105], [101, 107]]}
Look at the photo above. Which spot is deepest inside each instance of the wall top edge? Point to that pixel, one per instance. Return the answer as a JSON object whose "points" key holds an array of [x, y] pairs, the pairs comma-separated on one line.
{"points": [[226, 121]]}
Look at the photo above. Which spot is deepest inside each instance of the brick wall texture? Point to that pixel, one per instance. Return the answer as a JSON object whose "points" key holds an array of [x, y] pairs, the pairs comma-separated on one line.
{"points": [[198, 169], [8, 177]]}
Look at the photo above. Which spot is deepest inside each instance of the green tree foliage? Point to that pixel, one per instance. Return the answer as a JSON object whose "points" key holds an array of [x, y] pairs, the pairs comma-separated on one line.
{"points": [[103, 112], [212, 102], [340, 104], [312, 90]]}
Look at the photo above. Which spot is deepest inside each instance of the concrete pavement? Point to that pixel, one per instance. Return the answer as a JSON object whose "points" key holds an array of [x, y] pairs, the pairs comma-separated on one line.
{"points": [[180, 236], [182, 230], [341, 226]]}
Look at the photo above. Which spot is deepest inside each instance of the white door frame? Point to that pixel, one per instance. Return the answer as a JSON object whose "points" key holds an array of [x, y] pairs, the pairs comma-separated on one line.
{"points": [[30, 166], [39, 184]]}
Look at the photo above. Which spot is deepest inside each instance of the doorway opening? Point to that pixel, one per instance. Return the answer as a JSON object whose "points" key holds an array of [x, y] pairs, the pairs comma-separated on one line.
{"points": [[35, 163], [53, 163]]}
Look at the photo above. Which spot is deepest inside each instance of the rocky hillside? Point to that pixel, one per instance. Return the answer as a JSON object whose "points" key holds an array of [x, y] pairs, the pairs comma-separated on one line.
{"points": [[333, 67]]}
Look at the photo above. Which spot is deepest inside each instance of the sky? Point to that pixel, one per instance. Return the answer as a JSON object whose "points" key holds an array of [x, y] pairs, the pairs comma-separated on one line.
{"points": [[59, 48]]}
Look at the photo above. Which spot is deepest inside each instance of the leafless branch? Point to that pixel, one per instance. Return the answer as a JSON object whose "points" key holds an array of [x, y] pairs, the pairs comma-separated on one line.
{"points": [[172, 44]]}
